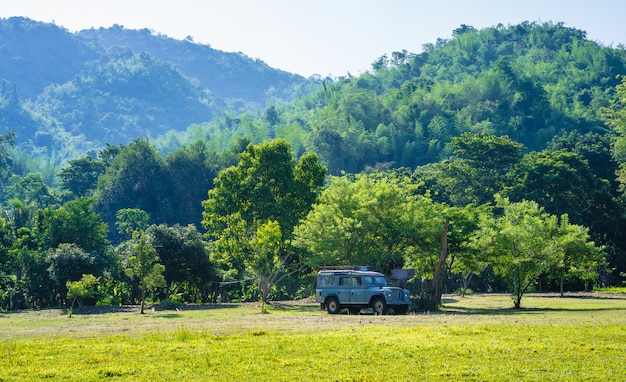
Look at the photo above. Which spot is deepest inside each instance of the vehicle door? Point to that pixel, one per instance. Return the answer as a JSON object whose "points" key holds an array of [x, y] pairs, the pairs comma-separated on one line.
{"points": [[344, 287], [359, 287]]}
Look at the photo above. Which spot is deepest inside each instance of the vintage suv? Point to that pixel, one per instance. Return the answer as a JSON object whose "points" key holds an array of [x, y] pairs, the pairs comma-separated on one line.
{"points": [[358, 288]]}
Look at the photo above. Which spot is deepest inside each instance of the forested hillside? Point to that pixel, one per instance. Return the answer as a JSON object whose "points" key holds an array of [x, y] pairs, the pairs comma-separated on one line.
{"points": [[67, 93], [509, 142], [529, 81]]}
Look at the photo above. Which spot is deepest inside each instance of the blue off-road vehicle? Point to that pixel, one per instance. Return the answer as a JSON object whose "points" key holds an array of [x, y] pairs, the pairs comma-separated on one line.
{"points": [[358, 288]]}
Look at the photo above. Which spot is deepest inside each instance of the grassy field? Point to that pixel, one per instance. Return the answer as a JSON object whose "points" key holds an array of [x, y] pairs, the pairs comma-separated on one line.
{"points": [[476, 338]]}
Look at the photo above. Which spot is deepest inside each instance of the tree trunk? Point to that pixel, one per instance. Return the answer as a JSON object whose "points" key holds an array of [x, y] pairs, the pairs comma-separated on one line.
{"points": [[264, 289], [143, 294], [436, 283], [466, 281]]}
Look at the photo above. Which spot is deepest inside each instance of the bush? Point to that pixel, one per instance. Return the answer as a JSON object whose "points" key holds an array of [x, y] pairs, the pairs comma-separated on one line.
{"points": [[172, 302]]}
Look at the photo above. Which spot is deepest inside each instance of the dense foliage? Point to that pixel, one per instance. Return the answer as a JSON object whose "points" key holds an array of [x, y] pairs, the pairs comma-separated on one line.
{"points": [[503, 144]]}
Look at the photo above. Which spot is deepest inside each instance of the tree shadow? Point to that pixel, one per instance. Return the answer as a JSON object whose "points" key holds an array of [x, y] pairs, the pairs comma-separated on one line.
{"points": [[522, 310], [170, 315], [281, 306]]}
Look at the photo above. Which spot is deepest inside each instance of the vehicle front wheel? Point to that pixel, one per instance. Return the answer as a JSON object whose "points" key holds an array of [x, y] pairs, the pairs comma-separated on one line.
{"points": [[332, 305], [379, 306]]}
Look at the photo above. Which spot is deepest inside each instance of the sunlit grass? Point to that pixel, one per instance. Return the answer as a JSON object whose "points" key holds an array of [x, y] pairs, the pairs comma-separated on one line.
{"points": [[612, 289], [476, 338]]}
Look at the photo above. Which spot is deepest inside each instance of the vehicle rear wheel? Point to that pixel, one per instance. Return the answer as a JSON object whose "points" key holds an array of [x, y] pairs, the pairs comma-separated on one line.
{"points": [[379, 306], [332, 305]]}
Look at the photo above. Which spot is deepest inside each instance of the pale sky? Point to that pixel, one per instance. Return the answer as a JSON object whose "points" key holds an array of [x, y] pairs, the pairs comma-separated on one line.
{"points": [[325, 37]]}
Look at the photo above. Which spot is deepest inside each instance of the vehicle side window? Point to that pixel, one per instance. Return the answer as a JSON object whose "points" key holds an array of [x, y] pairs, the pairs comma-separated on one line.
{"points": [[344, 281], [357, 281], [327, 281], [367, 280]]}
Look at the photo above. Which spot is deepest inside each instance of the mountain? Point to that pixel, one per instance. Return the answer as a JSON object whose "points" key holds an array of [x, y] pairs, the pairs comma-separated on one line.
{"points": [[227, 75], [531, 82], [67, 93]]}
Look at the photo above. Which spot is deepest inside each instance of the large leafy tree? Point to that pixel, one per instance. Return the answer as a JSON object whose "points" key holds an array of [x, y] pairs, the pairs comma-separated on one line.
{"points": [[595, 148], [131, 220], [464, 258], [525, 242], [562, 182], [7, 236], [191, 170], [135, 178], [520, 245], [68, 262], [183, 253], [478, 171], [266, 185], [80, 177], [369, 220], [73, 223]]}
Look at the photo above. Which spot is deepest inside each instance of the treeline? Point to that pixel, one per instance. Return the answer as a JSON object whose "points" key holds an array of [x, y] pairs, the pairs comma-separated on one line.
{"points": [[270, 220]]}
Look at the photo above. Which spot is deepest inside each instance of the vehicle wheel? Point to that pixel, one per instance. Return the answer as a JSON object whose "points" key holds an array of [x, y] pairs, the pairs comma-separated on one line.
{"points": [[379, 306], [332, 305], [354, 310]]}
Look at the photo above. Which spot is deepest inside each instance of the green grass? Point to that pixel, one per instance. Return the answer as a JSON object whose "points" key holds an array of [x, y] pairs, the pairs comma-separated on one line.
{"points": [[478, 338], [612, 289]]}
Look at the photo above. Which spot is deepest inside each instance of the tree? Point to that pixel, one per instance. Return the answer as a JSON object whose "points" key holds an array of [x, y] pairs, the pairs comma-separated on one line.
{"points": [[483, 165], [6, 139], [615, 116], [479, 170], [7, 237], [371, 220], [191, 170], [266, 185], [521, 244], [73, 223], [563, 183], [268, 261], [183, 253], [81, 290], [131, 220], [595, 148], [135, 178], [81, 176], [464, 257], [7, 265], [68, 262], [144, 265], [579, 255], [31, 189]]}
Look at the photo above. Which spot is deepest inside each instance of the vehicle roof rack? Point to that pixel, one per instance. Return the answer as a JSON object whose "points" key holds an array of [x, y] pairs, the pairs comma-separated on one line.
{"points": [[343, 268]]}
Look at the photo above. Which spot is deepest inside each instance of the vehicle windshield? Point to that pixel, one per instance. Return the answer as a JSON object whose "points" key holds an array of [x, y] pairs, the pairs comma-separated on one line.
{"points": [[375, 280]]}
